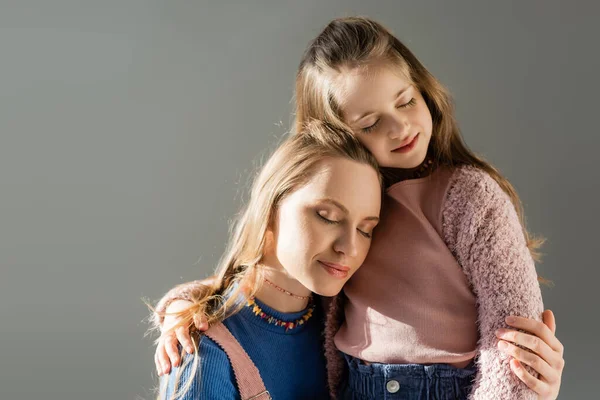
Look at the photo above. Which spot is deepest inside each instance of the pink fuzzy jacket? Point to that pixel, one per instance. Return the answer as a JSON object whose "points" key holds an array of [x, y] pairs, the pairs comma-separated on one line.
{"points": [[481, 229]]}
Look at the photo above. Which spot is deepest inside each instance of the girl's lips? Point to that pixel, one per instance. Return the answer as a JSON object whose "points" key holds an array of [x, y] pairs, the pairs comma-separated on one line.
{"points": [[407, 147]]}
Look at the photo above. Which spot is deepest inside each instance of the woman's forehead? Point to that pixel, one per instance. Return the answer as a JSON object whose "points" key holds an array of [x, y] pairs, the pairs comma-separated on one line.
{"points": [[340, 178]]}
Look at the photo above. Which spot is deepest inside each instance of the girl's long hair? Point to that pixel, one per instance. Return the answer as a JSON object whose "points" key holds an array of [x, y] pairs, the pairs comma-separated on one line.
{"points": [[357, 42]]}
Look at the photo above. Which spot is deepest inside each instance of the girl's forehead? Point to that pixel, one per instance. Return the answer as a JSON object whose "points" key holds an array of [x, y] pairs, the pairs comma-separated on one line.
{"points": [[364, 79], [362, 94]]}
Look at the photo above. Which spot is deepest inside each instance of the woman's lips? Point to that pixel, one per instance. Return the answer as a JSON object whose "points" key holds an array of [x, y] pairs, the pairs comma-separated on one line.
{"points": [[335, 270], [407, 147]]}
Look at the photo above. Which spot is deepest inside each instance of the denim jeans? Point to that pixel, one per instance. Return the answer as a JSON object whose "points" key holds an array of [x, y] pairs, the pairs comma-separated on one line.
{"points": [[406, 381]]}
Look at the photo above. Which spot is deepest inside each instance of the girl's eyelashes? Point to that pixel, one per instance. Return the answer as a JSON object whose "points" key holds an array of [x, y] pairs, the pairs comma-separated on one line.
{"points": [[372, 127], [332, 222], [410, 103]]}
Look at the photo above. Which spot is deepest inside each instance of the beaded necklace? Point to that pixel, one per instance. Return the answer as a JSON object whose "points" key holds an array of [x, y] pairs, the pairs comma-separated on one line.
{"points": [[423, 168], [288, 325], [282, 290]]}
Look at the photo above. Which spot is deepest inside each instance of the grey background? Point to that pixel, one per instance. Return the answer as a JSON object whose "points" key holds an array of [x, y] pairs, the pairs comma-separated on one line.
{"points": [[129, 127]]}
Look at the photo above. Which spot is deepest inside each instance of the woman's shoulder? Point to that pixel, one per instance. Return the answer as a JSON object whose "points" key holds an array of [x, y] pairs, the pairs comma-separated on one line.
{"points": [[209, 374], [211, 351]]}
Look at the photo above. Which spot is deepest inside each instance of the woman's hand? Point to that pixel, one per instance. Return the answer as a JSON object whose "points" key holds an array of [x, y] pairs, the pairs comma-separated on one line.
{"points": [[545, 353], [167, 351]]}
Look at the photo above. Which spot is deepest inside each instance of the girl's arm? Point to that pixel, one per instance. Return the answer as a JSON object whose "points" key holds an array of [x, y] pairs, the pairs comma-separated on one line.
{"points": [[484, 233], [545, 353], [185, 291], [168, 318]]}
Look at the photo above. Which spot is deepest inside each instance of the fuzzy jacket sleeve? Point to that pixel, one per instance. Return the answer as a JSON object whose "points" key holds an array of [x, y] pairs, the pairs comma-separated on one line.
{"points": [[185, 291], [482, 229]]}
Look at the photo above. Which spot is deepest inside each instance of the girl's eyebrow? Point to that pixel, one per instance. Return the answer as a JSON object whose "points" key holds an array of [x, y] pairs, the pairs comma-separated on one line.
{"points": [[344, 209], [400, 93]]}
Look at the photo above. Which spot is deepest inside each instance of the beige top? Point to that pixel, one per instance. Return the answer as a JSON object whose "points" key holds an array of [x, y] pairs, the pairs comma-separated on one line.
{"points": [[410, 302]]}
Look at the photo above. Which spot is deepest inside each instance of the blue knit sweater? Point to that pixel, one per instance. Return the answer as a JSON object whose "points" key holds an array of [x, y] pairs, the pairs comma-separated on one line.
{"points": [[291, 364]]}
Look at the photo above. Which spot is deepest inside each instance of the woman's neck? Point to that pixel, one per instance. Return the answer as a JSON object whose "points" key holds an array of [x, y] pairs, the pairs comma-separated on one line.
{"points": [[274, 295]]}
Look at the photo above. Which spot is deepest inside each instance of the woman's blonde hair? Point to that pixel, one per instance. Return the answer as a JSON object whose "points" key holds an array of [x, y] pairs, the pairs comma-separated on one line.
{"points": [[239, 275], [356, 42]]}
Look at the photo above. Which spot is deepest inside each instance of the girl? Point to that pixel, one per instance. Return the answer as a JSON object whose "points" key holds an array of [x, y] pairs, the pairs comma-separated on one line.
{"points": [[450, 260], [285, 246]]}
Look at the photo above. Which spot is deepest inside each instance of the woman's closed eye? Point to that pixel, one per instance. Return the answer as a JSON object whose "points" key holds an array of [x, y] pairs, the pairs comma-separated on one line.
{"points": [[327, 220], [365, 234], [368, 235]]}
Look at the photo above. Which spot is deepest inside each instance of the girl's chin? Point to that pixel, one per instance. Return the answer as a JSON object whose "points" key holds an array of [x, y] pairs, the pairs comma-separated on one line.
{"points": [[406, 164]]}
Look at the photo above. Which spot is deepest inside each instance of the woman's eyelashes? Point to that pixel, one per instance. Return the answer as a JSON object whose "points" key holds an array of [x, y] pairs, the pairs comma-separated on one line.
{"points": [[372, 127], [335, 222], [329, 221], [365, 234]]}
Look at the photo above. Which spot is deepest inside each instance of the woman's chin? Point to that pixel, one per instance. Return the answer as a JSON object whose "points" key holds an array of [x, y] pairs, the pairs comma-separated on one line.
{"points": [[327, 291]]}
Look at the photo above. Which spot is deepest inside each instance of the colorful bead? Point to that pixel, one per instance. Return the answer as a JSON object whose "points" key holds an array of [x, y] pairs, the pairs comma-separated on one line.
{"points": [[256, 310]]}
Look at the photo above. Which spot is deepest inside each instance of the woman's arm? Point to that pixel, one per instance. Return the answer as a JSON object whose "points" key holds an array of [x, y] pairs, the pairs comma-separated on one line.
{"points": [[483, 231]]}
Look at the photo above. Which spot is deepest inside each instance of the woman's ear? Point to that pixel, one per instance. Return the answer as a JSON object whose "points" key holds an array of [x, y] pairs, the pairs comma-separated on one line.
{"points": [[269, 241], [271, 234]]}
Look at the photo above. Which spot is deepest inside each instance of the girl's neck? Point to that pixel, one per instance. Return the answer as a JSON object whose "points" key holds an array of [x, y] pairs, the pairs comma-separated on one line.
{"points": [[395, 175], [274, 294]]}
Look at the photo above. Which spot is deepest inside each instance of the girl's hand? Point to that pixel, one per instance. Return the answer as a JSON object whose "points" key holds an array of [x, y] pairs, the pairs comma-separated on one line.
{"points": [[167, 351], [545, 353]]}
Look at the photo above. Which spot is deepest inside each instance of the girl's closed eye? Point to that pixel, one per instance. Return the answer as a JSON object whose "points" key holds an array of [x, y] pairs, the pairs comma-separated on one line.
{"points": [[370, 128], [373, 126], [410, 103]]}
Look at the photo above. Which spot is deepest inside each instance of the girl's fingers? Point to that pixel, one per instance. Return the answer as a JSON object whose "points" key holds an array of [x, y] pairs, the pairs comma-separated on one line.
{"points": [[200, 322], [183, 335], [549, 320], [163, 358], [528, 358], [157, 364], [537, 328], [541, 388], [170, 344], [530, 342]]}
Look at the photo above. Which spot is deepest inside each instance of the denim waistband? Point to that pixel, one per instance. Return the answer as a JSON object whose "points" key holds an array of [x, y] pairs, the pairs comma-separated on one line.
{"points": [[408, 381]]}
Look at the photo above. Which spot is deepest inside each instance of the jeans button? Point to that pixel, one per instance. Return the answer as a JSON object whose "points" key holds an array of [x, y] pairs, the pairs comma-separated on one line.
{"points": [[392, 386]]}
